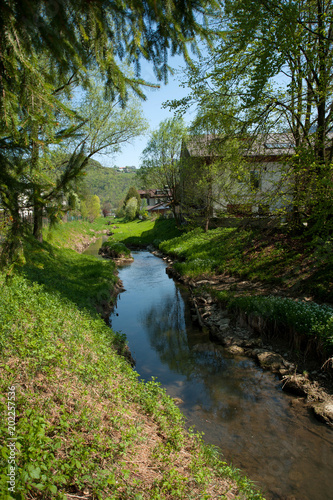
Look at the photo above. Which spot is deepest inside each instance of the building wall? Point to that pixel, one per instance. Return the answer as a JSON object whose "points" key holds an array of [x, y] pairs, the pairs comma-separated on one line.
{"points": [[271, 194]]}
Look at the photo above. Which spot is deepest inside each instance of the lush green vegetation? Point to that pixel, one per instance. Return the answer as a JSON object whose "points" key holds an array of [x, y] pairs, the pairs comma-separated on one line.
{"points": [[108, 184], [47, 135], [245, 102], [136, 233], [72, 234], [85, 423], [273, 258], [161, 166], [84, 417], [83, 279], [116, 249], [293, 265], [307, 318], [145, 232]]}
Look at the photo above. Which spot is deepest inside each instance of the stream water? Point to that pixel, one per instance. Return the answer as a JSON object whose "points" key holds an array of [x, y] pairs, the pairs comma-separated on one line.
{"points": [[239, 407]]}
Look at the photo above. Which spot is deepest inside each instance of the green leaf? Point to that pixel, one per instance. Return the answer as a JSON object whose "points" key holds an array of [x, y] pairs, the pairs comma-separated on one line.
{"points": [[34, 472], [40, 486], [53, 488]]}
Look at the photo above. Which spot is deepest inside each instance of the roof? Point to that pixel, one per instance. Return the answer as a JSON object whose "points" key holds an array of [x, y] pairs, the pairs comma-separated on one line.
{"points": [[158, 206], [275, 144], [154, 193]]}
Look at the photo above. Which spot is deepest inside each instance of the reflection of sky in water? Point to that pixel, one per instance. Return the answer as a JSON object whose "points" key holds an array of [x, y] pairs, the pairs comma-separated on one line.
{"points": [[238, 406]]}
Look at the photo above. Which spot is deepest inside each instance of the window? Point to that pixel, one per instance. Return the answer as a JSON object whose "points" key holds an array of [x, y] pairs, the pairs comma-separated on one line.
{"points": [[254, 180]]}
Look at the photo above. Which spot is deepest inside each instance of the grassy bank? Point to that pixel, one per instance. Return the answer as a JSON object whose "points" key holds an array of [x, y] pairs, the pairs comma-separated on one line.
{"points": [[295, 266], [74, 234], [143, 233], [274, 258], [139, 233], [86, 426]]}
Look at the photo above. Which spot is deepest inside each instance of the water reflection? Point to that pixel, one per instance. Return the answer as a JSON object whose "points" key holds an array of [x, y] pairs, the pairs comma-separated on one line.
{"points": [[238, 406], [166, 331], [95, 246]]}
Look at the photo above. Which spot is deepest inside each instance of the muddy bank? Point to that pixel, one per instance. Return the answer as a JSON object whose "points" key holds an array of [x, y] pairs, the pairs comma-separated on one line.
{"points": [[302, 375], [83, 243]]}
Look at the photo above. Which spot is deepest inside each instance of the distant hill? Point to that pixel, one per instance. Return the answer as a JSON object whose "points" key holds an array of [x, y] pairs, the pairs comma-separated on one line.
{"points": [[107, 183]]}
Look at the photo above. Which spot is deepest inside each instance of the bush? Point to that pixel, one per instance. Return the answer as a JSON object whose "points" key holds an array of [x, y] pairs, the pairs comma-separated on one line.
{"points": [[131, 209], [116, 249]]}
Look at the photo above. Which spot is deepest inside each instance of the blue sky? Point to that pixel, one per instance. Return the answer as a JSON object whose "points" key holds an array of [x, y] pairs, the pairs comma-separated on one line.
{"points": [[153, 112]]}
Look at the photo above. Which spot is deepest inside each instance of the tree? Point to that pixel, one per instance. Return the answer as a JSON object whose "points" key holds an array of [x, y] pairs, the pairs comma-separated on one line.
{"points": [[133, 193], [213, 175], [103, 125], [76, 35], [293, 39], [160, 165], [143, 212], [72, 37], [106, 208], [131, 208], [91, 208], [24, 148], [273, 64]]}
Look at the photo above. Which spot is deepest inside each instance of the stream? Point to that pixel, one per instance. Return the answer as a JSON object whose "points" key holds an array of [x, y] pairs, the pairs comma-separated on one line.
{"points": [[240, 408]]}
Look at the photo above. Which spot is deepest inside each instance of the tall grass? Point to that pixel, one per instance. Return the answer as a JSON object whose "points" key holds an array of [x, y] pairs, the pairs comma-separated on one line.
{"points": [[307, 318]]}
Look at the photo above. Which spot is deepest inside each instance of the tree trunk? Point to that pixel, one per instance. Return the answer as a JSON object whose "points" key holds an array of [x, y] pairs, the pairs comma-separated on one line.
{"points": [[38, 216], [207, 223], [13, 241], [38, 224]]}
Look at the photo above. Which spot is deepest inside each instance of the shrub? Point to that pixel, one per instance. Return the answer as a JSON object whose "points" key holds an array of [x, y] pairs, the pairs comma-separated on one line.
{"points": [[131, 209], [116, 249]]}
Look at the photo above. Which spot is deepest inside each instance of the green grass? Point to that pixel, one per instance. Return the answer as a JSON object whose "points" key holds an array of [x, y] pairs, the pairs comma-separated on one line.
{"points": [[116, 249], [85, 424], [83, 279], [143, 233], [275, 259], [139, 233], [215, 251], [66, 233], [306, 318]]}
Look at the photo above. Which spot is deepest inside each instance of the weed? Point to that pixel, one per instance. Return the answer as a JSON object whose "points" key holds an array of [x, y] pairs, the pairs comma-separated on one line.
{"points": [[303, 317]]}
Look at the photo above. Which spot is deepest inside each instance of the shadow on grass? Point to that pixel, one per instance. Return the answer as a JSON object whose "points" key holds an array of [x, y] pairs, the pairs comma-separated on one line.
{"points": [[82, 279], [320, 283], [163, 229]]}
